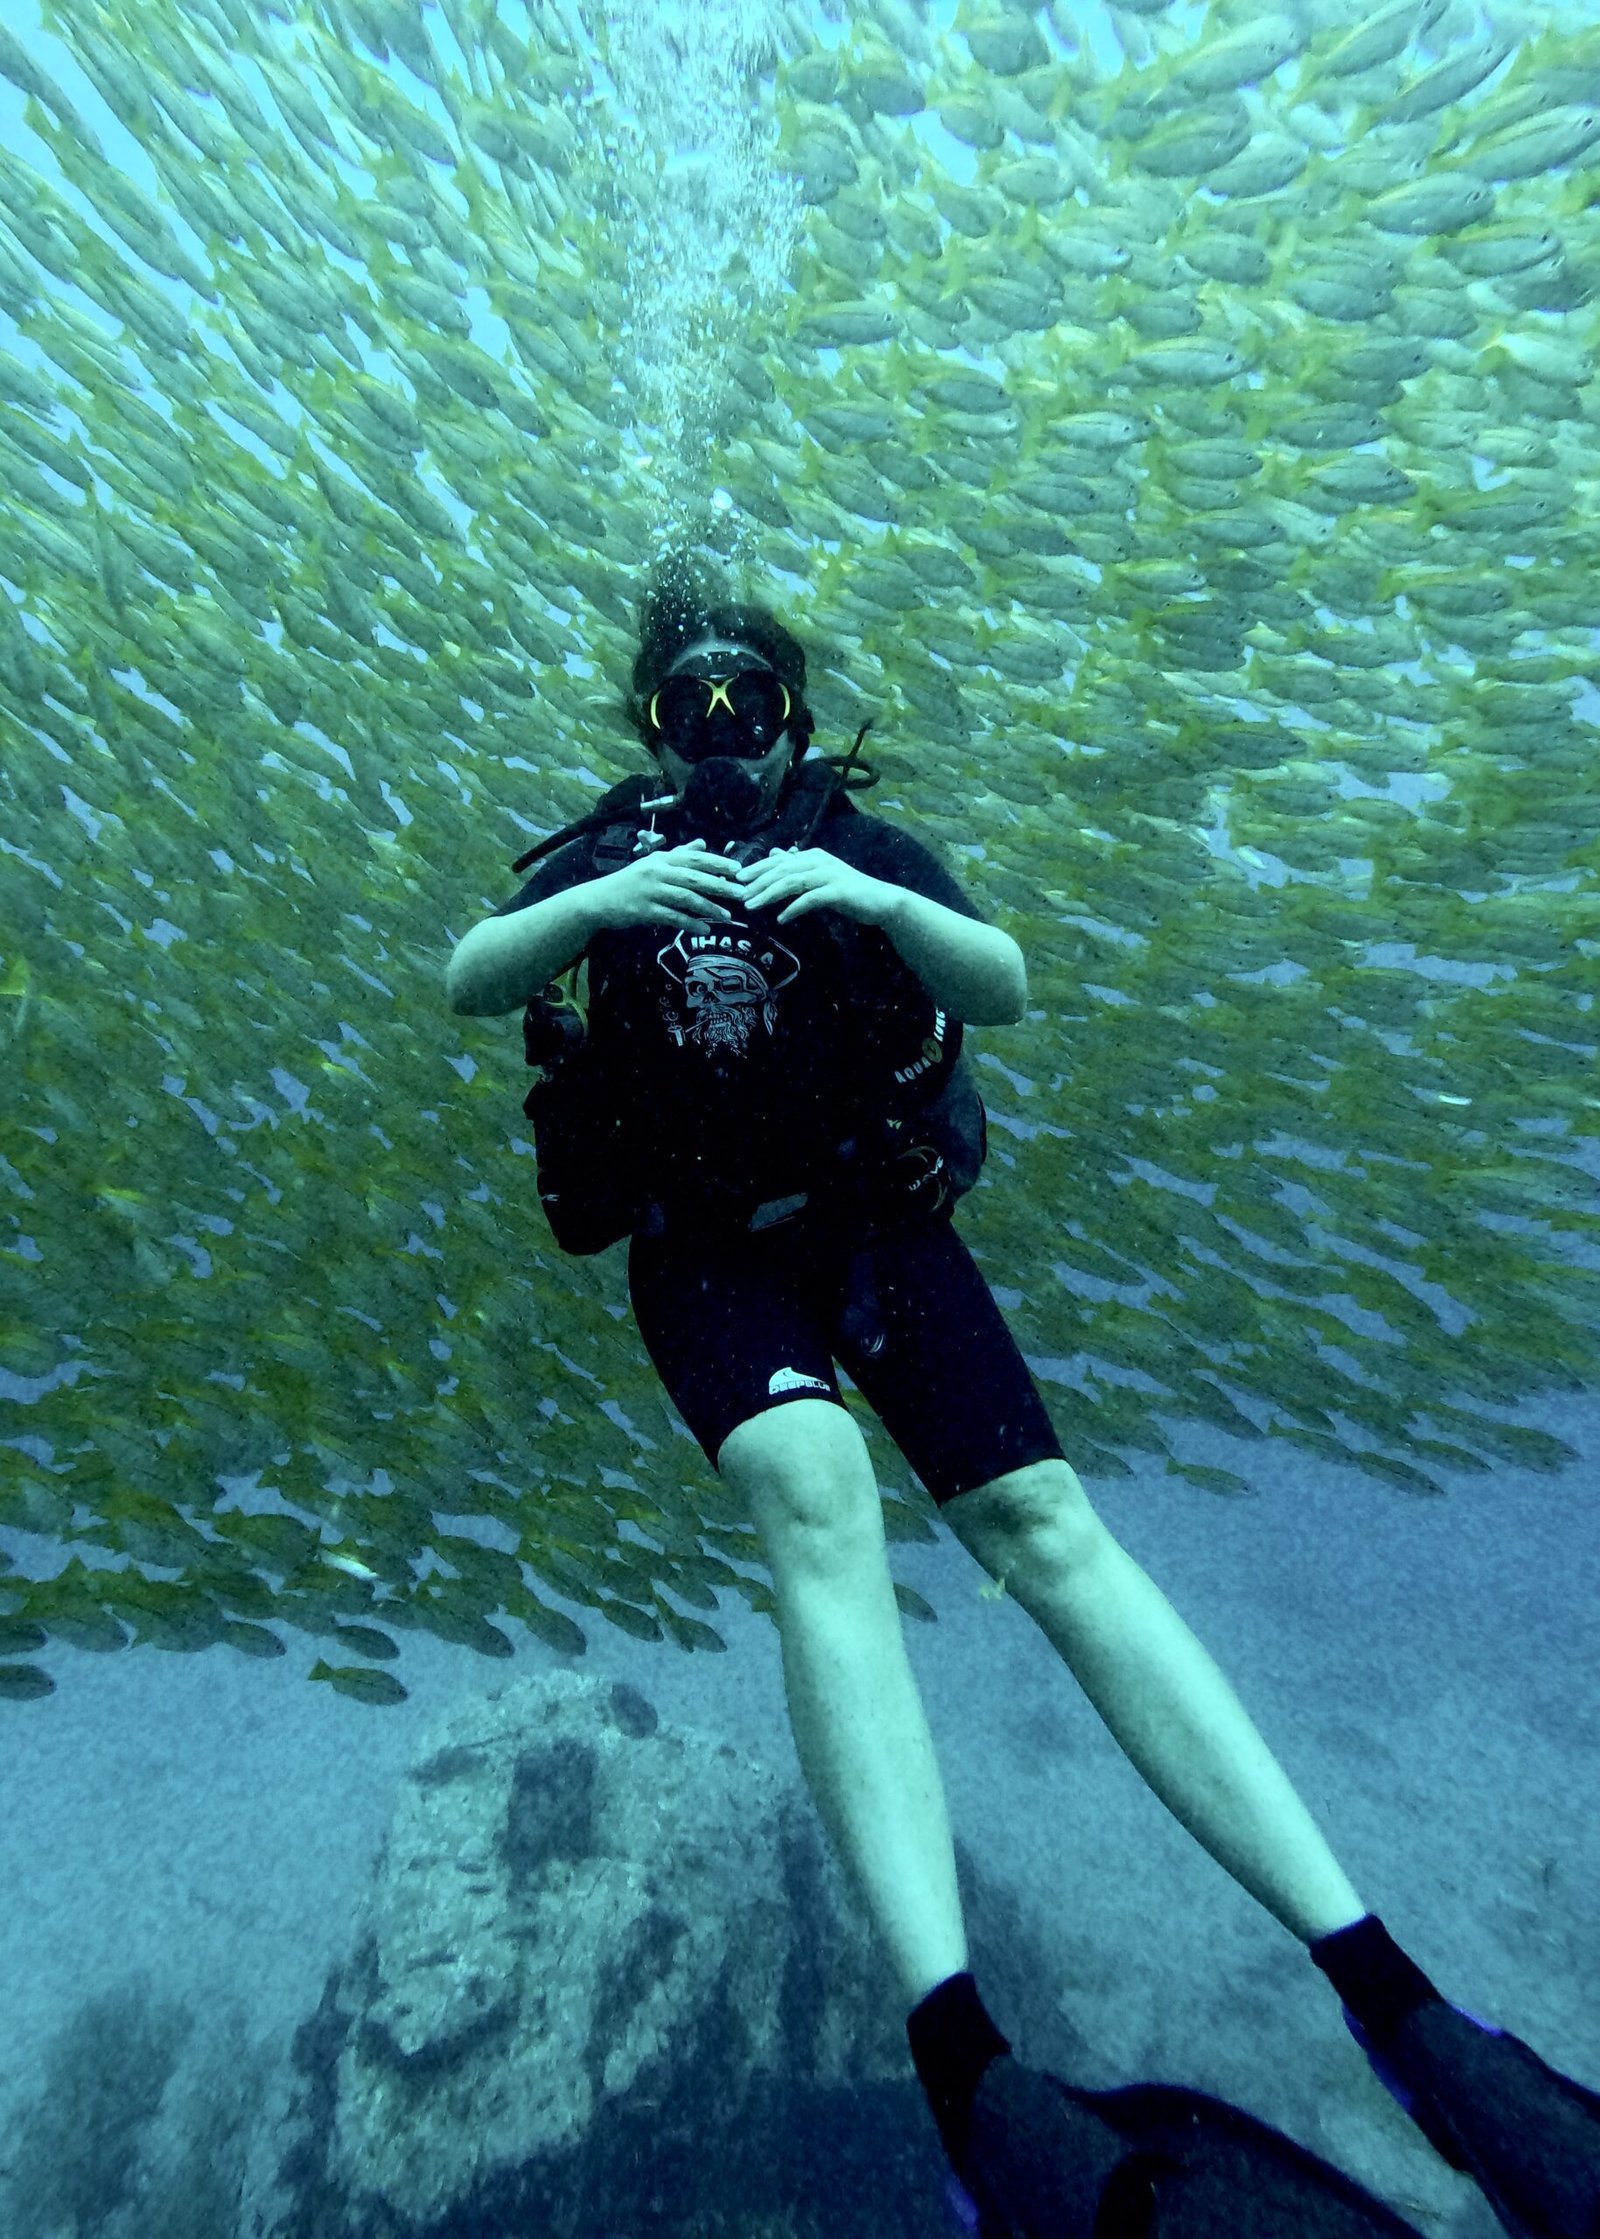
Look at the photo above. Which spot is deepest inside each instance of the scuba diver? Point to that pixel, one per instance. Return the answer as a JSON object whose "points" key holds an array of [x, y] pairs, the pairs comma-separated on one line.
{"points": [[765, 1094]]}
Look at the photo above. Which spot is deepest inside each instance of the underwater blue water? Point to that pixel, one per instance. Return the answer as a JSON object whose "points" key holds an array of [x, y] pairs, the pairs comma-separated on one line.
{"points": [[1427, 1672]]}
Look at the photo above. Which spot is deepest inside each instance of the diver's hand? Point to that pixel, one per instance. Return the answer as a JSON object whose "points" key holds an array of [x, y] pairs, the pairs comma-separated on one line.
{"points": [[682, 886], [809, 878]]}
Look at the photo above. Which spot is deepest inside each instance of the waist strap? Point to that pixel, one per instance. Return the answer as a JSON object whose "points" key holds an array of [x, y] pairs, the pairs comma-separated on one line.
{"points": [[661, 1219]]}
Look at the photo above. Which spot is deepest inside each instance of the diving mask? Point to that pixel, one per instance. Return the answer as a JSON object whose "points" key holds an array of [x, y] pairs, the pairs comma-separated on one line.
{"points": [[743, 714]]}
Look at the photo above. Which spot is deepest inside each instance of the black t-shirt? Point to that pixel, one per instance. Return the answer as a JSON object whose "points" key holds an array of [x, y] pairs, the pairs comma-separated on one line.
{"points": [[719, 1034]]}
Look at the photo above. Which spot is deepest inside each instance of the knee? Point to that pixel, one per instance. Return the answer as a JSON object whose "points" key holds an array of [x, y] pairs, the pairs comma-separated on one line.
{"points": [[805, 1471], [1038, 1515]]}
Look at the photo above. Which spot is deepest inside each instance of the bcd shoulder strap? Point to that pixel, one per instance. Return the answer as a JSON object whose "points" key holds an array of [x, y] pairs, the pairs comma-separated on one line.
{"points": [[617, 816], [622, 801]]}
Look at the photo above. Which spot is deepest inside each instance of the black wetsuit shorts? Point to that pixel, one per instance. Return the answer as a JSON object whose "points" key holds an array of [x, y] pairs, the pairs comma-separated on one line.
{"points": [[736, 1323]]}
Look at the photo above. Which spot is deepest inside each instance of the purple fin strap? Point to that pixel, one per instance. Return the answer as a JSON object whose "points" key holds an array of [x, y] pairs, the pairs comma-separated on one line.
{"points": [[962, 2206]]}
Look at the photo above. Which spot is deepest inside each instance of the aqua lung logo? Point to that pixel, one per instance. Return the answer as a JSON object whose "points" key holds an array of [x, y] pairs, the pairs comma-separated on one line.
{"points": [[932, 1051]]}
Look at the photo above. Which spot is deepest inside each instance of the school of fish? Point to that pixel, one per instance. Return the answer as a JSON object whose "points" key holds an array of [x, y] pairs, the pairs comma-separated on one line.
{"points": [[1197, 482]]}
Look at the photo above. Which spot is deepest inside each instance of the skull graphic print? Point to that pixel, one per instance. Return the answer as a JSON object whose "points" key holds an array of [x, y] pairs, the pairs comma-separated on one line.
{"points": [[724, 984]]}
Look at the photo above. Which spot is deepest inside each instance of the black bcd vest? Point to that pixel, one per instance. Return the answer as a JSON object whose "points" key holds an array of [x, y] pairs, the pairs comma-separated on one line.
{"points": [[915, 1140]]}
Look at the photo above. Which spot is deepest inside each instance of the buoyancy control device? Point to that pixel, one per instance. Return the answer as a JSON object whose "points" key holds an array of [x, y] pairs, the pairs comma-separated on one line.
{"points": [[917, 1137]]}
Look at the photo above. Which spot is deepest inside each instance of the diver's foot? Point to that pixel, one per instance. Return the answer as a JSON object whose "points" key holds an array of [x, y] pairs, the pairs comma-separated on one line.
{"points": [[1528, 2136], [1040, 2164]]}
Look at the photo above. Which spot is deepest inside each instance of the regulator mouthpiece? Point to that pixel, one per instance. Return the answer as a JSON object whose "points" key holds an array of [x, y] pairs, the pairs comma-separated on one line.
{"points": [[724, 797]]}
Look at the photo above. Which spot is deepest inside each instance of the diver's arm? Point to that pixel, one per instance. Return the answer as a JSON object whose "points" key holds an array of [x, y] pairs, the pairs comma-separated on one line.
{"points": [[974, 971], [502, 961]]}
